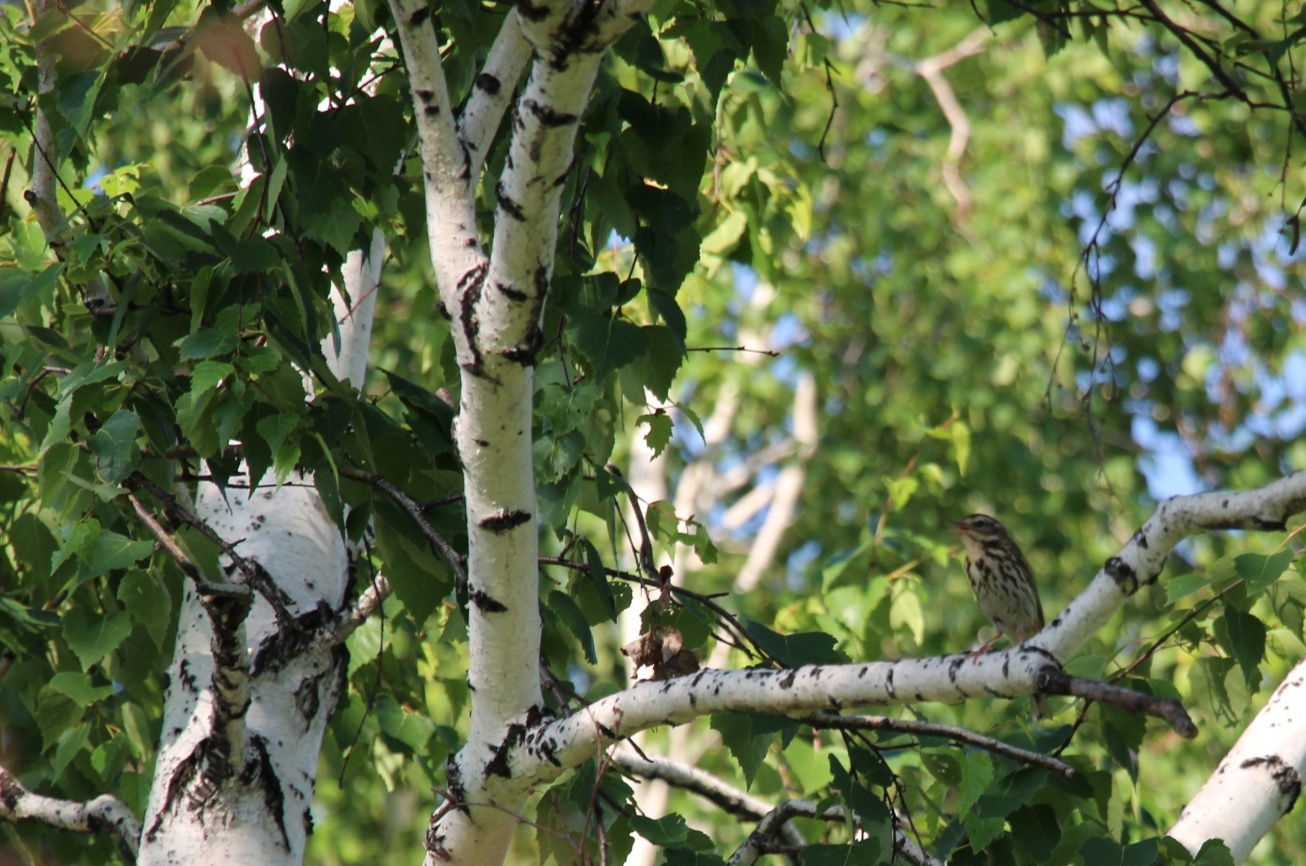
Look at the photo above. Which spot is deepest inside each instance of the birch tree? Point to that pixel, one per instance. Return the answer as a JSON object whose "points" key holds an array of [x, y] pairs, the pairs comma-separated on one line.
{"points": [[239, 561]]}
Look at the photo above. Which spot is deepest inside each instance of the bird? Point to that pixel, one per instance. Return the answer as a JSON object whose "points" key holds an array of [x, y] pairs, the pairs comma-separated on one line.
{"points": [[1003, 584]]}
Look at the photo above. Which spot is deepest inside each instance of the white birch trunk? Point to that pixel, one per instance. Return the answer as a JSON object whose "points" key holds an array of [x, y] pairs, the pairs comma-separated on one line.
{"points": [[1258, 782]]}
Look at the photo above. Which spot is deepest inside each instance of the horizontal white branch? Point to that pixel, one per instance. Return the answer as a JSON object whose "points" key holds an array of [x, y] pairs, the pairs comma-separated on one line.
{"points": [[1141, 560], [104, 814], [547, 749]]}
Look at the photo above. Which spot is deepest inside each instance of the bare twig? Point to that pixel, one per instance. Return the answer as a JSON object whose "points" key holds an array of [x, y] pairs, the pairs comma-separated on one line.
{"points": [[1057, 682], [255, 575], [834, 721], [416, 511]]}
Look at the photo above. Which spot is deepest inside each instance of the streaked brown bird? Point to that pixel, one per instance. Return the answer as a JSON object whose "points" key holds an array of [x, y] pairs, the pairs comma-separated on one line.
{"points": [[1003, 584]]}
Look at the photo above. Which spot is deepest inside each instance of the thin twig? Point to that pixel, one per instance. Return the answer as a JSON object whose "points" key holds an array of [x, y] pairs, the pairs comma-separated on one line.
{"points": [[416, 511], [834, 721]]}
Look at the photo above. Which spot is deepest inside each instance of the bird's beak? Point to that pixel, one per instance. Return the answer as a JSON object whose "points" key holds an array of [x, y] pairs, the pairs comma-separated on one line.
{"points": [[960, 527]]}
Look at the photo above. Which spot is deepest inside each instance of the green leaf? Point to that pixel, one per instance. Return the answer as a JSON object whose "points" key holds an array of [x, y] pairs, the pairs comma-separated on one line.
{"points": [[76, 537], [222, 38], [977, 775], [748, 748], [1034, 829], [982, 831], [659, 430], [725, 237], [666, 354], [112, 551], [137, 728], [606, 344], [114, 444], [573, 618], [55, 713], [79, 688], [793, 650], [1260, 571], [960, 445], [71, 743], [664, 832], [275, 428], [1185, 584], [1245, 635], [1011, 792], [943, 766], [207, 375], [419, 581], [872, 814], [205, 344], [409, 730], [76, 99], [1108, 852], [145, 597], [33, 617], [1214, 852], [91, 637], [376, 129], [325, 201]]}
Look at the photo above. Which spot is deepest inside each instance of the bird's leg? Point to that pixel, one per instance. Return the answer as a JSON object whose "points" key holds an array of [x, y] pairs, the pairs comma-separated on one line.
{"points": [[984, 647]]}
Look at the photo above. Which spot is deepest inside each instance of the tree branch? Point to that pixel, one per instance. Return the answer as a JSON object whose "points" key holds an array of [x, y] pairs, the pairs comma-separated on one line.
{"points": [[104, 814], [549, 748], [255, 575], [1140, 562], [417, 513], [492, 90], [227, 606], [834, 721], [1258, 782]]}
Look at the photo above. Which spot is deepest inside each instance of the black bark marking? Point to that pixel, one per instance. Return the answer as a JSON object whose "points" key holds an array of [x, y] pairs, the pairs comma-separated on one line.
{"points": [[547, 749], [260, 771], [576, 36], [466, 172], [1123, 574], [426, 96], [507, 205], [308, 697], [523, 355], [787, 681], [486, 603], [512, 294], [288, 644], [470, 287], [431, 110], [888, 683], [187, 678], [487, 82], [548, 115], [1285, 776], [9, 791], [498, 765], [418, 18], [504, 520], [1141, 538]]}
